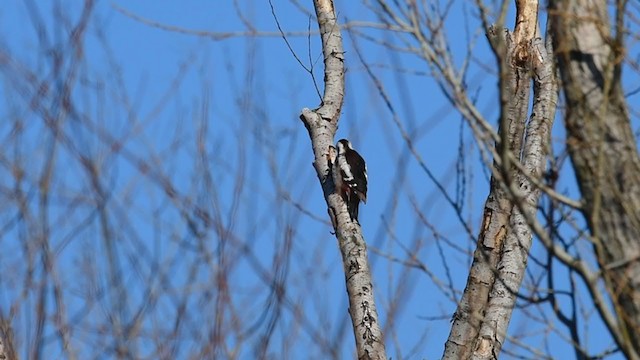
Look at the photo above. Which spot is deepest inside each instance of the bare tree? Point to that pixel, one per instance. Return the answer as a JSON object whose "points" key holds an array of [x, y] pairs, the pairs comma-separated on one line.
{"points": [[598, 130], [170, 218]]}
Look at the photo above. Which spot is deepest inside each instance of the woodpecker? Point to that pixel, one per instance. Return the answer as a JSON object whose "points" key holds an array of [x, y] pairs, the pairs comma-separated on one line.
{"points": [[350, 177]]}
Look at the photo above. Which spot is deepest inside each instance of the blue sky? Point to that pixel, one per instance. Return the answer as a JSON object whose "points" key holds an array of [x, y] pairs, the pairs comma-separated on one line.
{"points": [[159, 89]]}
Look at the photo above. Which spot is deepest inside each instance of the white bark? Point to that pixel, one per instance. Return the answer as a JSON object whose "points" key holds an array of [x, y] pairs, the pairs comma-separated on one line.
{"points": [[322, 124], [482, 318], [512, 265]]}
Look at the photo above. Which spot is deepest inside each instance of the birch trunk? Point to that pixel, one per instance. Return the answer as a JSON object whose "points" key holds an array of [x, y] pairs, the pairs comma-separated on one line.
{"points": [[481, 320], [322, 124]]}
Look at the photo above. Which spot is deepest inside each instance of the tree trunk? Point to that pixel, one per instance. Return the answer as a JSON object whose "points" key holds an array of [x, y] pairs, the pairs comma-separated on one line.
{"points": [[7, 350], [322, 124], [497, 209], [481, 320], [603, 151]]}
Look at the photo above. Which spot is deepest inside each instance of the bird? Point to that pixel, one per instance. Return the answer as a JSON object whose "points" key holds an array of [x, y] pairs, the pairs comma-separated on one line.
{"points": [[349, 173]]}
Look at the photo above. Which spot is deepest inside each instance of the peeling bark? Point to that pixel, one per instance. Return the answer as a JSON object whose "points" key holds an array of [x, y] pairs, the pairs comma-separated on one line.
{"points": [[483, 314], [472, 306], [513, 262]]}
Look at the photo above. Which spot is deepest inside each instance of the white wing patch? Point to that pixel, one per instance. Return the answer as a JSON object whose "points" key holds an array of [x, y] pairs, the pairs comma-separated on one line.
{"points": [[345, 168]]}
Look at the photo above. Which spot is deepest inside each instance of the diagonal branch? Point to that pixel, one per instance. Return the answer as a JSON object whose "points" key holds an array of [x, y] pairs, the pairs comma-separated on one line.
{"points": [[322, 124]]}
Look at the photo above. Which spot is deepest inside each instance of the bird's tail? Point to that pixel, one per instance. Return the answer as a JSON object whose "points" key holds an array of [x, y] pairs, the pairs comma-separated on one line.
{"points": [[352, 204]]}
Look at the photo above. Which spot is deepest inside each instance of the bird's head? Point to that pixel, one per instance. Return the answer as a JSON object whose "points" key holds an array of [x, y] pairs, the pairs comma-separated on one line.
{"points": [[343, 145]]}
